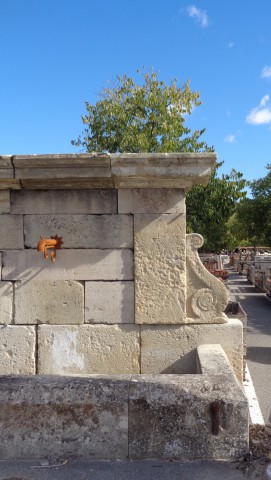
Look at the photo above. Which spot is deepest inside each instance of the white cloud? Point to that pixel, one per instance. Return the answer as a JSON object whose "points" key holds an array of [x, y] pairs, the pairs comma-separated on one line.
{"points": [[260, 115], [266, 72], [230, 138], [200, 15], [264, 101]]}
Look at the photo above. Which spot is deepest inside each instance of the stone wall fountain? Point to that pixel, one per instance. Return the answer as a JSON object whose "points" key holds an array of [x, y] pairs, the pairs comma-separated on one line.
{"points": [[119, 348]]}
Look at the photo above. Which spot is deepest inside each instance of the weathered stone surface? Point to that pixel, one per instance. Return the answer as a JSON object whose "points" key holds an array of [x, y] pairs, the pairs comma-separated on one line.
{"points": [[11, 231], [91, 170], [158, 170], [4, 201], [63, 201], [81, 231], [160, 277], [211, 360], [150, 200], [235, 310], [6, 168], [17, 350], [66, 183], [62, 417], [6, 302], [55, 302], [170, 417], [172, 349], [109, 302], [61, 166], [206, 296], [0, 265], [79, 265], [88, 349], [5, 161], [9, 184]]}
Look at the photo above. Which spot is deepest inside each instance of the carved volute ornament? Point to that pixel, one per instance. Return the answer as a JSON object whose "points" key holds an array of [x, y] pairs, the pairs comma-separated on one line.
{"points": [[206, 296]]}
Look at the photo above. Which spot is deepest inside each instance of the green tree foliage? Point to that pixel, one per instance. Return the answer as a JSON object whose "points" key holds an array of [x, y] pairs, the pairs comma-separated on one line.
{"points": [[150, 116], [237, 236], [137, 118], [210, 207], [254, 214]]}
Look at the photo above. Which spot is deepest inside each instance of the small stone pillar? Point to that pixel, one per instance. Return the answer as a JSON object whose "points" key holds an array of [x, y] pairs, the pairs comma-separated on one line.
{"points": [[171, 284]]}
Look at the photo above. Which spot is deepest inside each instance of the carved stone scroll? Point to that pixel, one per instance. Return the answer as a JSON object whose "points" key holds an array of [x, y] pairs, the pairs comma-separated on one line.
{"points": [[206, 296]]}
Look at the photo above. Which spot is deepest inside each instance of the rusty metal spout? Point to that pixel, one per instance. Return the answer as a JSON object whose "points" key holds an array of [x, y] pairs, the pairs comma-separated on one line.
{"points": [[53, 243]]}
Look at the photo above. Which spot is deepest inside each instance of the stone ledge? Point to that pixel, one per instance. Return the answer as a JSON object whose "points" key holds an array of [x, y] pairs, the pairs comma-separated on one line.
{"points": [[92, 170], [211, 359]]}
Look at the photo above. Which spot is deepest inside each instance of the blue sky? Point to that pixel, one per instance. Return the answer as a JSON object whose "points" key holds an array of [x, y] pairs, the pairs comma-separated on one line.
{"points": [[56, 54]]}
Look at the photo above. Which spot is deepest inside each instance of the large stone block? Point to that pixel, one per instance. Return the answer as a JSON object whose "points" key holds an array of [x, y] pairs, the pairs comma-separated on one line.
{"points": [[81, 231], [17, 350], [79, 265], [172, 349], [170, 417], [109, 302], [60, 417], [151, 200], [11, 232], [64, 201], [6, 302], [48, 301], [88, 349], [4, 201], [160, 275]]}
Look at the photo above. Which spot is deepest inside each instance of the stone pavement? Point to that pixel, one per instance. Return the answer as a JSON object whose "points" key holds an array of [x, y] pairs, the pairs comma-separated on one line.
{"points": [[129, 470]]}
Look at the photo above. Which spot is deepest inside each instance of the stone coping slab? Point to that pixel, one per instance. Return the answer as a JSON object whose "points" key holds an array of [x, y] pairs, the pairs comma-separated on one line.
{"points": [[169, 417], [93, 170]]}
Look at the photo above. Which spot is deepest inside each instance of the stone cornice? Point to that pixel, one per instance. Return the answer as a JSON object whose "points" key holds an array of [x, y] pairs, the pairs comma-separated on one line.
{"points": [[91, 170]]}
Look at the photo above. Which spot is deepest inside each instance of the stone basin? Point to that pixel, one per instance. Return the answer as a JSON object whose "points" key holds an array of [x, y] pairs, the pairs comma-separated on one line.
{"points": [[127, 416]]}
